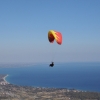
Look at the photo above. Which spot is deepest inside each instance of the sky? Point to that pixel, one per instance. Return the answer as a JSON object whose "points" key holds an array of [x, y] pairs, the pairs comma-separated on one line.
{"points": [[24, 26]]}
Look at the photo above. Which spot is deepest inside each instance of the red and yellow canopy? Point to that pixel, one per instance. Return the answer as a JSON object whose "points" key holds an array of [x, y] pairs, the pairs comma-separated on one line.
{"points": [[54, 35]]}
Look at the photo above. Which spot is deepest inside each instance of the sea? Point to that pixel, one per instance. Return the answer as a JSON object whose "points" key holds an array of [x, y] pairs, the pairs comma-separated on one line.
{"points": [[79, 76]]}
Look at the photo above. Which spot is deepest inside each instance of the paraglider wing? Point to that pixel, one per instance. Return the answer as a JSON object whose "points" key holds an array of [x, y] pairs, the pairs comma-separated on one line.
{"points": [[54, 35]]}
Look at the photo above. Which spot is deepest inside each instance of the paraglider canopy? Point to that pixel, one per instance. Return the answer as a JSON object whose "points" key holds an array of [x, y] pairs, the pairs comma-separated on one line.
{"points": [[54, 35]]}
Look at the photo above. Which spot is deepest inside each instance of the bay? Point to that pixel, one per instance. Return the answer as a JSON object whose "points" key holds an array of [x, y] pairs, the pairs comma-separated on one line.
{"points": [[80, 76]]}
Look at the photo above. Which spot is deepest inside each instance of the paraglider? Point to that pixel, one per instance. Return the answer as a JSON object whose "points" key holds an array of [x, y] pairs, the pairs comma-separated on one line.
{"points": [[52, 64], [57, 36]]}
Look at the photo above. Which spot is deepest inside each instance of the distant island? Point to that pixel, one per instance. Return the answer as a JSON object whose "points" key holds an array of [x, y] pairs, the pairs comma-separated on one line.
{"points": [[14, 92]]}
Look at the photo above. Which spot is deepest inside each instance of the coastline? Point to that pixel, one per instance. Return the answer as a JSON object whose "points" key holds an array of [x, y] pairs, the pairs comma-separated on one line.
{"points": [[28, 78], [4, 78], [5, 82]]}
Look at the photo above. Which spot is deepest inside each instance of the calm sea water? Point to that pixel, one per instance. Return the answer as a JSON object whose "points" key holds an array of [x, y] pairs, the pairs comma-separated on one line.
{"points": [[81, 76]]}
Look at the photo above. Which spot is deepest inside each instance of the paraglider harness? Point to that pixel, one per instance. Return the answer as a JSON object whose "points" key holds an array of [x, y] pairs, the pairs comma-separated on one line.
{"points": [[52, 64]]}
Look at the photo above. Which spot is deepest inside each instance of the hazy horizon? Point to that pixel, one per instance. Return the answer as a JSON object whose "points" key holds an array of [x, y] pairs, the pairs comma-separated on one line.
{"points": [[24, 26]]}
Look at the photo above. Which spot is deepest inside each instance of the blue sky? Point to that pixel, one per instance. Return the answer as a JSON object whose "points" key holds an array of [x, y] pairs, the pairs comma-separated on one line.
{"points": [[24, 26]]}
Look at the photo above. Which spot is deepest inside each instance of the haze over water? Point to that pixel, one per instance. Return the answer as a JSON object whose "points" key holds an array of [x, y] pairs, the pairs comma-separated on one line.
{"points": [[81, 76]]}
